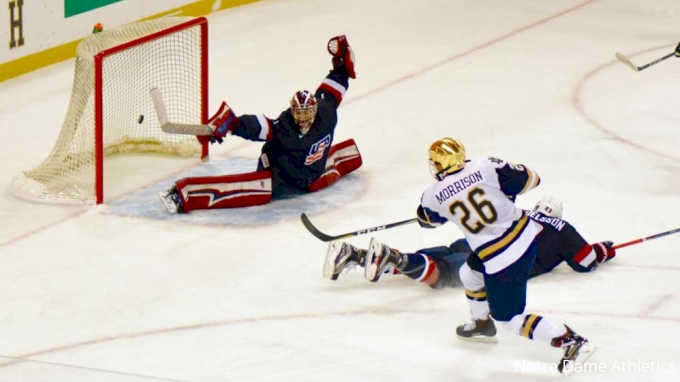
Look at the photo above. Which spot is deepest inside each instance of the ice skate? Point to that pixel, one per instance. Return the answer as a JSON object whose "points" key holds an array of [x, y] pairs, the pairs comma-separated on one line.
{"points": [[342, 256], [576, 350], [380, 258], [478, 330], [171, 200]]}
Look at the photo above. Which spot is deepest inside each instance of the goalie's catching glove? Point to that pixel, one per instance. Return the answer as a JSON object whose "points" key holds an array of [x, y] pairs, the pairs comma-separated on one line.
{"points": [[343, 56], [222, 122]]}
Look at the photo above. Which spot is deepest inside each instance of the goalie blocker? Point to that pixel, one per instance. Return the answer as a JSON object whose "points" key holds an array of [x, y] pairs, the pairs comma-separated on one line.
{"points": [[255, 188]]}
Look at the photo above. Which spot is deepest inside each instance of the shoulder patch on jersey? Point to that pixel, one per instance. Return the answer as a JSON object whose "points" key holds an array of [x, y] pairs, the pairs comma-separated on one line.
{"points": [[496, 160]]}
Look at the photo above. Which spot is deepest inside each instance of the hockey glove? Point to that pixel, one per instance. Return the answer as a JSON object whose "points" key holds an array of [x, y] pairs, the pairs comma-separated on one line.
{"points": [[343, 56], [223, 122], [427, 219], [604, 251], [677, 50]]}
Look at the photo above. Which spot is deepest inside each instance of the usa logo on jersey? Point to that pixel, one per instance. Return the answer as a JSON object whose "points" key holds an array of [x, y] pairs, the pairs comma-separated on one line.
{"points": [[317, 150]]}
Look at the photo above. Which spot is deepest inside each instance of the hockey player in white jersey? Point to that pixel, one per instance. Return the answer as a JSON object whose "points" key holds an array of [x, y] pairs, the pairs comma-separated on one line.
{"points": [[477, 196]]}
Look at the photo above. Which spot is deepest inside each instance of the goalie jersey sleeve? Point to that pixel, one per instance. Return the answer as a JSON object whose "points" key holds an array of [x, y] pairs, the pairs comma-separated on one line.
{"points": [[297, 160]]}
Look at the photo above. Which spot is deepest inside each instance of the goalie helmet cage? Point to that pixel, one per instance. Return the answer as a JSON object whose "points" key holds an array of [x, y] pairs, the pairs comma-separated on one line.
{"points": [[111, 112]]}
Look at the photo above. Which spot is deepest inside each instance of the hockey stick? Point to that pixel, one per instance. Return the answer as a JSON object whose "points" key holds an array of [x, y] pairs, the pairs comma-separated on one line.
{"points": [[646, 238], [627, 62], [175, 128], [323, 237]]}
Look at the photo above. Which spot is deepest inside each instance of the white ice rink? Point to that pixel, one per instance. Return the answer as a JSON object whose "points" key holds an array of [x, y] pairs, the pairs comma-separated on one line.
{"points": [[109, 294]]}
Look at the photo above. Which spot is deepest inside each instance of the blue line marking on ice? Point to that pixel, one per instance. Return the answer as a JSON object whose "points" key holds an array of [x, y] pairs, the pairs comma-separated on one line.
{"points": [[144, 203]]}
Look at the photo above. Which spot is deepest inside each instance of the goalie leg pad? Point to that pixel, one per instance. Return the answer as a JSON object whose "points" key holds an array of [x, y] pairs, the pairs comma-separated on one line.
{"points": [[226, 191], [343, 158]]}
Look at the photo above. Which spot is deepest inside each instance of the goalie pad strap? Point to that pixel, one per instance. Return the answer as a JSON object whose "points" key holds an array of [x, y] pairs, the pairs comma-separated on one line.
{"points": [[226, 191], [343, 158]]}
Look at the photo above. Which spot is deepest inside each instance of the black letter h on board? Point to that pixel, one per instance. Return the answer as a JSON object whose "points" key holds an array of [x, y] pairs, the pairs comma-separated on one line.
{"points": [[16, 23]]}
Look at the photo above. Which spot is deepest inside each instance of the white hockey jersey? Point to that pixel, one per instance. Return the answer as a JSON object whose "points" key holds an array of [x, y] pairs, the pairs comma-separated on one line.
{"points": [[479, 200]]}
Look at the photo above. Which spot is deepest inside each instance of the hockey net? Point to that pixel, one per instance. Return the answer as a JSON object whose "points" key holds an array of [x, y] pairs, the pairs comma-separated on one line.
{"points": [[111, 111]]}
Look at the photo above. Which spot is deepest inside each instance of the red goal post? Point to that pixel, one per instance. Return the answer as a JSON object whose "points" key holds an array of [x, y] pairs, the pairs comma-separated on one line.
{"points": [[111, 111]]}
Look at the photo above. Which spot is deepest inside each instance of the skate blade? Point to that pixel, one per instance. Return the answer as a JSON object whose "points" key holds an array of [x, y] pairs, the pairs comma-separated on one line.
{"points": [[329, 263], [372, 257], [169, 205], [486, 339], [584, 353], [372, 273]]}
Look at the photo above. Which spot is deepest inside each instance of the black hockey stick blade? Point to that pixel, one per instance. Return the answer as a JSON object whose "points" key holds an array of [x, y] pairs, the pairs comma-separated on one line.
{"points": [[171, 127], [315, 231], [623, 59], [324, 237]]}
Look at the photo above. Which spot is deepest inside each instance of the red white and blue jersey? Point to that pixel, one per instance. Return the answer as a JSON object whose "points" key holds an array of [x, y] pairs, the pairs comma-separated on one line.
{"points": [[297, 160], [559, 241], [478, 199]]}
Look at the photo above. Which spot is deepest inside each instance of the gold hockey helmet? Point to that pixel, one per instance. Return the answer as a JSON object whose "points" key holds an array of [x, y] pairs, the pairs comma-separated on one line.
{"points": [[446, 156]]}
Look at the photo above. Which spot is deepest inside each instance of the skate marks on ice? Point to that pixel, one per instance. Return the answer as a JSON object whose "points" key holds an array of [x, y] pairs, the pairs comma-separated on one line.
{"points": [[144, 203]]}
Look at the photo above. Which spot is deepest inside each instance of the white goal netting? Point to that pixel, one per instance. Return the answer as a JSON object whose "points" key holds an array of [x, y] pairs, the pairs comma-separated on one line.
{"points": [[111, 111]]}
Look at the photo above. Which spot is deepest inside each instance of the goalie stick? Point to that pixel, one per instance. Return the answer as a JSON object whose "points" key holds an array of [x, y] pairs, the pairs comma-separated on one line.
{"points": [[171, 127], [324, 237], [627, 62]]}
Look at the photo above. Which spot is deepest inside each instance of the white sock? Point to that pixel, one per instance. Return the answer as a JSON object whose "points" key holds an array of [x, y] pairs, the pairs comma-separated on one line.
{"points": [[535, 327], [479, 307]]}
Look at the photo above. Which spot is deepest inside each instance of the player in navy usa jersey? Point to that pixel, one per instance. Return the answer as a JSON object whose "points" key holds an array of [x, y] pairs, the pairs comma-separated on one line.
{"points": [[439, 267], [298, 155], [477, 196], [559, 241]]}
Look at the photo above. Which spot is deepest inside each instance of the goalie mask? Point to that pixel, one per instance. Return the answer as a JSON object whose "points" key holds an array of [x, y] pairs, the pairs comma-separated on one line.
{"points": [[446, 157], [303, 106], [549, 206]]}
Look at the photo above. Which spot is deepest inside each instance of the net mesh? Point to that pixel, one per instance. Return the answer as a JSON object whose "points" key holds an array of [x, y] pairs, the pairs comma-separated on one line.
{"points": [[171, 62]]}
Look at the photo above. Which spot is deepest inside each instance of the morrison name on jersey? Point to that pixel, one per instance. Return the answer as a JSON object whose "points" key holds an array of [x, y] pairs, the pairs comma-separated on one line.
{"points": [[458, 186]]}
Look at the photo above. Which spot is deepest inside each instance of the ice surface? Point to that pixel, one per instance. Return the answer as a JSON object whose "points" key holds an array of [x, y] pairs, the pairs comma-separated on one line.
{"points": [[122, 292]]}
